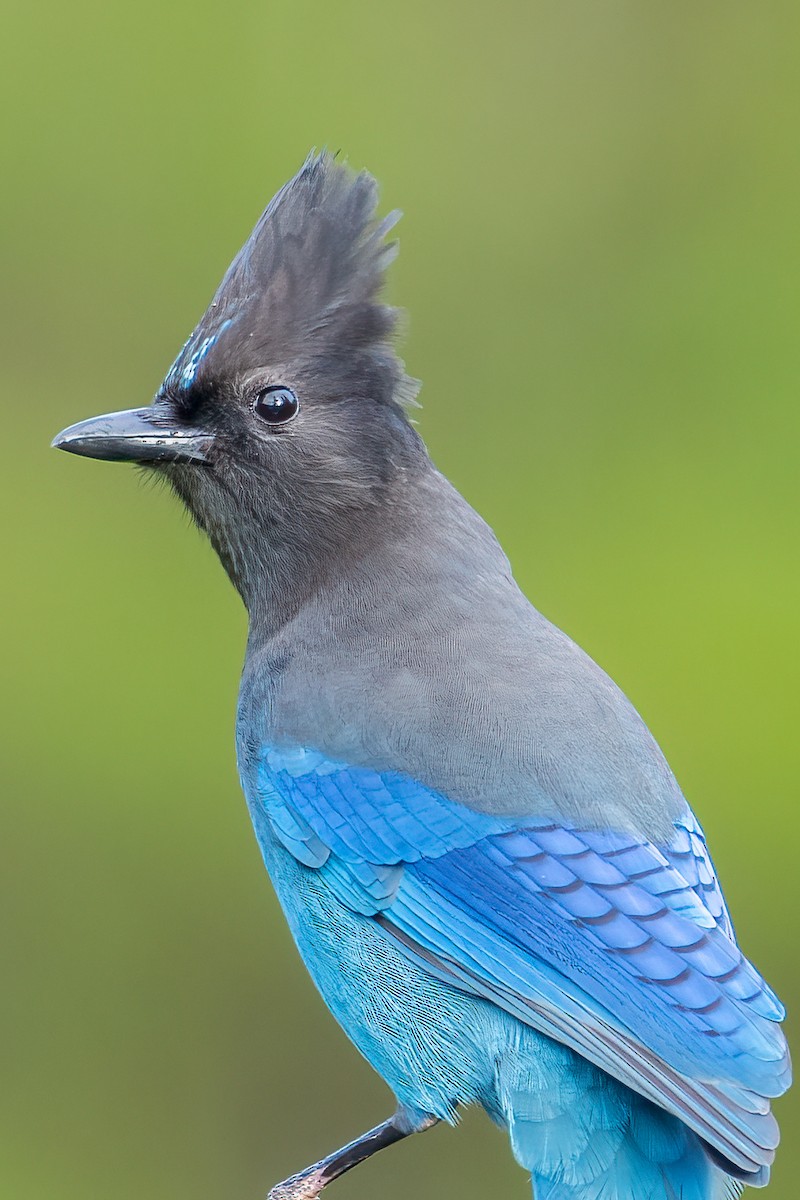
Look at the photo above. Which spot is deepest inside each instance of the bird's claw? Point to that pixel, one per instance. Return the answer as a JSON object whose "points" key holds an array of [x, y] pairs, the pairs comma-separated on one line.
{"points": [[307, 1185]]}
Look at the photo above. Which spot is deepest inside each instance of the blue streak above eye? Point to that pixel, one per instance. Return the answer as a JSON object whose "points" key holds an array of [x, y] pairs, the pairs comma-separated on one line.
{"points": [[183, 371]]}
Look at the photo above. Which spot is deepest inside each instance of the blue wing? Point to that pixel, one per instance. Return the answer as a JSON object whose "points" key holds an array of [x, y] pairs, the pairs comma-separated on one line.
{"points": [[617, 947]]}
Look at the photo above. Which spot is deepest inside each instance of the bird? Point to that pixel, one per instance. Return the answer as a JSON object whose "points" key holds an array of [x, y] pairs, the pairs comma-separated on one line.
{"points": [[487, 865]]}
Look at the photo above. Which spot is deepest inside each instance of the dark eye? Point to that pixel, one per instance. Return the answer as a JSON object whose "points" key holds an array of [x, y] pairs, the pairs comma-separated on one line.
{"points": [[276, 404]]}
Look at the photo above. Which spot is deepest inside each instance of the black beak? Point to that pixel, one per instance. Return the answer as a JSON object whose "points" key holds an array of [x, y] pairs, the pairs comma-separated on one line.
{"points": [[137, 435]]}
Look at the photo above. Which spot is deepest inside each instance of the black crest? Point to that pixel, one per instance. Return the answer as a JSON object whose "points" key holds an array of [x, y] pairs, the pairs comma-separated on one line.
{"points": [[303, 294]]}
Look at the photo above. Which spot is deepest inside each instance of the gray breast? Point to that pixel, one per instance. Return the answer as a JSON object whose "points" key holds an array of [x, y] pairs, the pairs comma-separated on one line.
{"points": [[427, 659]]}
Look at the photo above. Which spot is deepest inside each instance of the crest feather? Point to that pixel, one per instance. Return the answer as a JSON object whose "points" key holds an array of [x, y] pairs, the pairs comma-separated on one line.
{"points": [[304, 292]]}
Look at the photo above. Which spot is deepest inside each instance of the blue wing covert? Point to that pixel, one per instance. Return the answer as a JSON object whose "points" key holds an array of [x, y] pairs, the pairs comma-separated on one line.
{"points": [[618, 948]]}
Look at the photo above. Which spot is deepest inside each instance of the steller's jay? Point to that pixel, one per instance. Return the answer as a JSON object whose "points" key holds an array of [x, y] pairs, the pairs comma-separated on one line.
{"points": [[488, 867]]}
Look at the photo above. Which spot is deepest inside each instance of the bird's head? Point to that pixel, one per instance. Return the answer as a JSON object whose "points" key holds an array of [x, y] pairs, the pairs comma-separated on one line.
{"points": [[282, 421]]}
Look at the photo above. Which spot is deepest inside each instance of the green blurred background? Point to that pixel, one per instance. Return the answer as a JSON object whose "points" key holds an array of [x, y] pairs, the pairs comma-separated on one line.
{"points": [[600, 257]]}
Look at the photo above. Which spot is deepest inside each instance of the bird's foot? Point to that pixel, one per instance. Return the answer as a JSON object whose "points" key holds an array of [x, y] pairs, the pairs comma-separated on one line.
{"points": [[307, 1185]]}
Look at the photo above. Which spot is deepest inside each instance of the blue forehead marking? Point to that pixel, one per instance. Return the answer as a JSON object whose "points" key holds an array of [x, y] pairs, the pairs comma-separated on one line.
{"points": [[183, 371]]}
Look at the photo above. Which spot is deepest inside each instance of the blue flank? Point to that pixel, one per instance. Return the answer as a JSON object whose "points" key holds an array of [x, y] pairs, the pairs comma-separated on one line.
{"points": [[583, 986]]}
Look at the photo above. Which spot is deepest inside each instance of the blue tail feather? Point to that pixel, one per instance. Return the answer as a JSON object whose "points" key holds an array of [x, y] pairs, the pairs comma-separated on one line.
{"points": [[631, 1174], [584, 1136]]}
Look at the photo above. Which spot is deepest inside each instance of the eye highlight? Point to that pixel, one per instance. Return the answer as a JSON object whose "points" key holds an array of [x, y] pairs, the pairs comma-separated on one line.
{"points": [[276, 404]]}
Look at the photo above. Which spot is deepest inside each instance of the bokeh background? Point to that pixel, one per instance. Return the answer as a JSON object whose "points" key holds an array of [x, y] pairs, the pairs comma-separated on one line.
{"points": [[600, 257]]}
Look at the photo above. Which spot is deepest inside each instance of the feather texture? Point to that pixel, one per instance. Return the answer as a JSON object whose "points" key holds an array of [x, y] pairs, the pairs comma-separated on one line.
{"points": [[303, 293], [594, 937]]}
